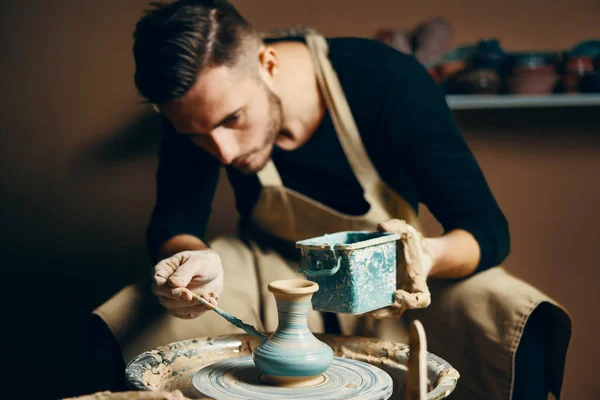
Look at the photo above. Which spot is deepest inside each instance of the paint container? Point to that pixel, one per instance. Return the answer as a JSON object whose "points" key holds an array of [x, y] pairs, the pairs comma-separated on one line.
{"points": [[355, 270]]}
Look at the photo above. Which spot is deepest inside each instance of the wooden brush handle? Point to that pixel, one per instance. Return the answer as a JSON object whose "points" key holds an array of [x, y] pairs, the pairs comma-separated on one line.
{"points": [[204, 302]]}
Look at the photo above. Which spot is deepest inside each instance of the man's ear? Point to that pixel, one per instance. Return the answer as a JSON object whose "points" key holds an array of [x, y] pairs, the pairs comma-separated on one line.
{"points": [[268, 62]]}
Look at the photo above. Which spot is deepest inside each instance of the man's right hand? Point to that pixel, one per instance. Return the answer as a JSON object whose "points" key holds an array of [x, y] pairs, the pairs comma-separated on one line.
{"points": [[177, 277]]}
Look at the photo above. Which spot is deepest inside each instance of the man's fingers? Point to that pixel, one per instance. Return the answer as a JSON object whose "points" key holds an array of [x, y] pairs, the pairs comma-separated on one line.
{"points": [[180, 293], [187, 269], [171, 303], [163, 270], [192, 274], [387, 313], [188, 313], [212, 298], [174, 271], [412, 300], [201, 280], [393, 225], [403, 301], [173, 267]]}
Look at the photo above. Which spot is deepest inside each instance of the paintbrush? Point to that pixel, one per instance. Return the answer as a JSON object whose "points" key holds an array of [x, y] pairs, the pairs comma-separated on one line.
{"points": [[249, 329]]}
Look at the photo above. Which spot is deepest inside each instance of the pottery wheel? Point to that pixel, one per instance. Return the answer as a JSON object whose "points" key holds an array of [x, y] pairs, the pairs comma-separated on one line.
{"points": [[238, 378]]}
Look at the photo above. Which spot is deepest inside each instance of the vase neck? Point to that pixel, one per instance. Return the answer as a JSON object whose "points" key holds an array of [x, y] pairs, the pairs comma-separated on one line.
{"points": [[293, 312]]}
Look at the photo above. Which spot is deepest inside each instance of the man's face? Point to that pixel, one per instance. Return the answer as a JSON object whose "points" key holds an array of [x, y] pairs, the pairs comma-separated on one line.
{"points": [[231, 114]]}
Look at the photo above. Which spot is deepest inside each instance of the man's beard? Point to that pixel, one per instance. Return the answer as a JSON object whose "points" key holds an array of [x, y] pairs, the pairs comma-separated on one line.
{"points": [[273, 131]]}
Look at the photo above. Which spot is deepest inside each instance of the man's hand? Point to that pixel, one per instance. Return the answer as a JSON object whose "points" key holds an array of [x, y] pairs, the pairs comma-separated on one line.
{"points": [[413, 264], [176, 277]]}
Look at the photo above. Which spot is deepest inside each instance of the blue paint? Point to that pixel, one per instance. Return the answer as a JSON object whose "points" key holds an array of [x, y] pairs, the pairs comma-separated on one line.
{"points": [[292, 350], [249, 329], [355, 270]]}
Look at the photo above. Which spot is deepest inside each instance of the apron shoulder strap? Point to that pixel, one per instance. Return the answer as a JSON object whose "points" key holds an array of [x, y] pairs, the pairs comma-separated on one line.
{"points": [[341, 115], [342, 118], [268, 176]]}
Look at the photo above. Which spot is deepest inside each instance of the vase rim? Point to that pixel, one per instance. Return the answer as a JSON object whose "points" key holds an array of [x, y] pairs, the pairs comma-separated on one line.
{"points": [[293, 286]]}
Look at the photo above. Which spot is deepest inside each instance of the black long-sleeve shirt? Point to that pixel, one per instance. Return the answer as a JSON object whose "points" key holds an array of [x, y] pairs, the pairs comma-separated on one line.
{"points": [[407, 129]]}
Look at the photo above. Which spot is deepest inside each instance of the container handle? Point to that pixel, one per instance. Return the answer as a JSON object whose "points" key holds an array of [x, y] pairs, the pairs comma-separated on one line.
{"points": [[304, 269]]}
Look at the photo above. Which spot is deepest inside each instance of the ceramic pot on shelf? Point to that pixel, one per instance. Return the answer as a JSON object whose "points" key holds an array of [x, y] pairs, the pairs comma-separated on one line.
{"points": [[532, 74], [481, 81], [481, 75]]}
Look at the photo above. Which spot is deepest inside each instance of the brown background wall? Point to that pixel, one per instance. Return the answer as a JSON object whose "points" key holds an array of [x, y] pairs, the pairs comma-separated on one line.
{"points": [[77, 162]]}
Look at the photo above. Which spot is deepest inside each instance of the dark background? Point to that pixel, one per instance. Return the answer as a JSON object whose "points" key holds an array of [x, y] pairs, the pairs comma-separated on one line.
{"points": [[78, 156]]}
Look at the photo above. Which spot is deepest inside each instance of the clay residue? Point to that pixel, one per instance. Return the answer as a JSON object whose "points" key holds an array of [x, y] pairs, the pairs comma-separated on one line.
{"points": [[373, 359], [175, 366], [179, 373], [172, 367], [363, 345], [132, 395]]}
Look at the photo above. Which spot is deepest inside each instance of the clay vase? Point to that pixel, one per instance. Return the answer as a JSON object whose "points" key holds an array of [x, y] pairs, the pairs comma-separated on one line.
{"points": [[292, 356], [532, 74]]}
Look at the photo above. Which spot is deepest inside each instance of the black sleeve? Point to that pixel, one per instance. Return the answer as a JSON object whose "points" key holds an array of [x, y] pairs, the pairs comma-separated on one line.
{"points": [[447, 176], [186, 181]]}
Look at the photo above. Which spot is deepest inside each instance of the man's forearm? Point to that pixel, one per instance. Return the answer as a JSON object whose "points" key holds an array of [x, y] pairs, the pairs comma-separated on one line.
{"points": [[180, 243], [456, 254]]}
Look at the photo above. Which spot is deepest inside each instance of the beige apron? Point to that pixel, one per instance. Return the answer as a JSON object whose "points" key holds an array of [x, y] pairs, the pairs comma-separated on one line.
{"points": [[475, 324]]}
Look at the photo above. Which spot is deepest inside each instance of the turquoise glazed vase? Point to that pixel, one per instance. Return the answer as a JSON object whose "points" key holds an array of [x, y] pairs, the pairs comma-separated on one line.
{"points": [[292, 356]]}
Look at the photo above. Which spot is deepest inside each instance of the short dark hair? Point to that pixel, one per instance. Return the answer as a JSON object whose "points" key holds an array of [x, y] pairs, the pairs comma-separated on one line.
{"points": [[175, 41]]}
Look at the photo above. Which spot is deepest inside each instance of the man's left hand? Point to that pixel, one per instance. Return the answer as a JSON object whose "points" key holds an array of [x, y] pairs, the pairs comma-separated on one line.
{"points": [[414, 262]]}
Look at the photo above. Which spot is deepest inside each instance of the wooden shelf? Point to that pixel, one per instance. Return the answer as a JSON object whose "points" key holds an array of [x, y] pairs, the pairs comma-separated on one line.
{"points": [[473, 102]]}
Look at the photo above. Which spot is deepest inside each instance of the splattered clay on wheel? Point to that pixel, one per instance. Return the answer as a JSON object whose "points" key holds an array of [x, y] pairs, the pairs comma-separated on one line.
{"points": [[238, 378]]}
